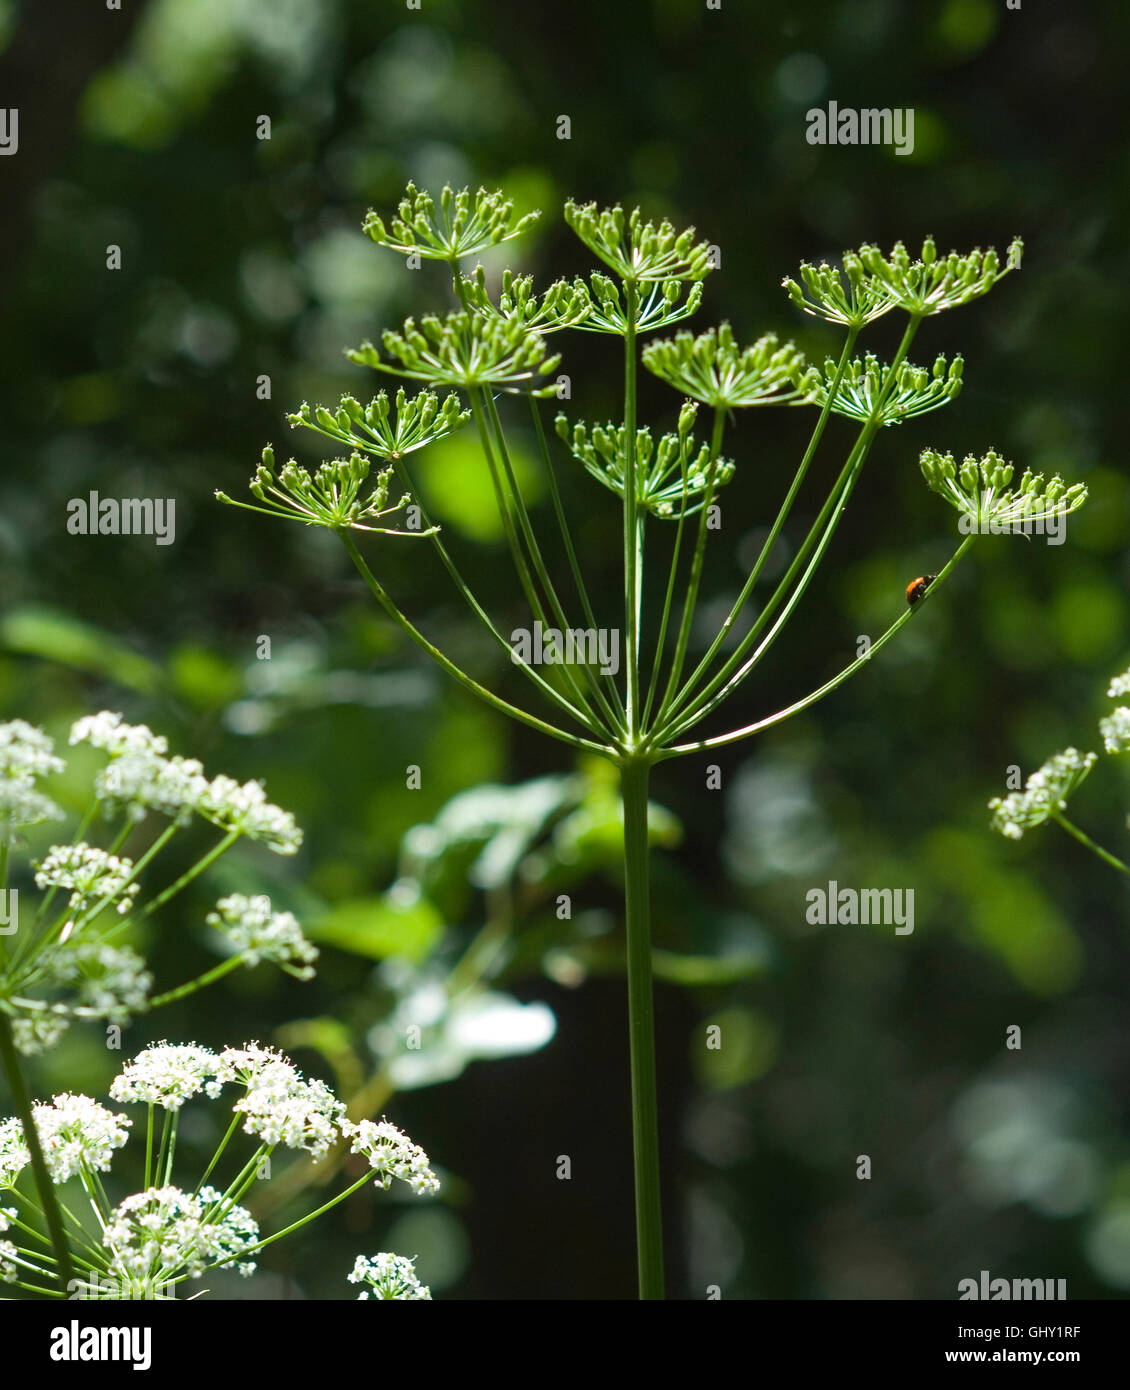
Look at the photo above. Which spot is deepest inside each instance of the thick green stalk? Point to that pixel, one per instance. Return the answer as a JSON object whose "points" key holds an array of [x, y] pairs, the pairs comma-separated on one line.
{"points": [[641, 1030], [632, 558], [43, 1184]]}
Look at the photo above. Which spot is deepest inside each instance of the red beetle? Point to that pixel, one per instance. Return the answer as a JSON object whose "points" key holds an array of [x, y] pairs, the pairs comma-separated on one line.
{"points": [[917, 587]]}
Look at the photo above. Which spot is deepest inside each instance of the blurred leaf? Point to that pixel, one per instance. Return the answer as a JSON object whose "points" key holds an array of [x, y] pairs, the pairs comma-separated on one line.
{"points": [[742, 1049], [53, 635], [203, 677], [378, 927]]}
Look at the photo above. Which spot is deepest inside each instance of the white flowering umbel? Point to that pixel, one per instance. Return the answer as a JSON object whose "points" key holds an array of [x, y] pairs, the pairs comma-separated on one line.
{"points": [[259, 933], [145, 1244], [25, 756], [391, 1154], [91, 874], [62, 965], [387, 1276], [1046, 793], [168, 1075], [70, 958]]}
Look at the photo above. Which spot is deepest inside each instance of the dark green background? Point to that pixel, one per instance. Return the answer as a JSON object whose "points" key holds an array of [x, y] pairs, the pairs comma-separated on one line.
{"points": [[243, 257]]}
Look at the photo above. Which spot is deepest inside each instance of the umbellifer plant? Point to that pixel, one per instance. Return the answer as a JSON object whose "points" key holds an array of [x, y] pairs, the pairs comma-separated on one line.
{"points": [[492, 345]]}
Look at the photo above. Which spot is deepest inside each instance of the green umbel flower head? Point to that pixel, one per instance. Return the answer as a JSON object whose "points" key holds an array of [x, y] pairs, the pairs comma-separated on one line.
{"points": [[658, 307], [862, 395], [930, 285], [375, 429], [1045, 792], [871, 284], [714, 370], [638, 251], [565, 304], [464, 349], [851, 296], [330, 497], [979, 490], [673, 475], [462, 225]]}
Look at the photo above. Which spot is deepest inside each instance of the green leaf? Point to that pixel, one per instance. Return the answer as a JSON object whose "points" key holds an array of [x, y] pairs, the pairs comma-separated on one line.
{"points": [[36, 630], [377, 927]]}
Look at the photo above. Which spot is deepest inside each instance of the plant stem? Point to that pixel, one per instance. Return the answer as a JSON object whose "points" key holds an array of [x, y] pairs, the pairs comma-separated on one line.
{"points": [[209, 977], [468, 683], [702, 745], [641, 1028], [632, 558], [1084, 839], [775, 530], [43, 1183]]}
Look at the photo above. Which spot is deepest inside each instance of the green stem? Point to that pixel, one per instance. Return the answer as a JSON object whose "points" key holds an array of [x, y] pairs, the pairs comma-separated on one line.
{"points": [[465, 589], [186, 878], [468, 683], [304, 1221], [216, 1156], [641, 1030], [820, 533], [43, 1184], [1085, 839], [702, 745], [217, 972], [775, 529], [617, 720], [633, 560], [690, 600], [528, 535]]}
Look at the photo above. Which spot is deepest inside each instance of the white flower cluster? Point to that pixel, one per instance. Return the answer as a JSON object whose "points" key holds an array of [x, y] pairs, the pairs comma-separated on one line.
{"points": [[106, 731], [163, 1231], [25, 754], [246, 809], [1120, 685], [1046, 791], [105, 981], [140, 778], [290, 1110], [90, 873], [258, 933], [387, 1276], [36, 1030], [14, 1156], [1115, 729], [391, 1154], [168, 1075], [73, 1130], [8, 1252]]}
